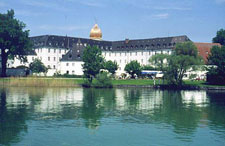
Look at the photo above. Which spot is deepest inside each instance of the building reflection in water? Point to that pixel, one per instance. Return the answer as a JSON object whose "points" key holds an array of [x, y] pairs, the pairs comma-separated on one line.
{"points": [[180, 111]]}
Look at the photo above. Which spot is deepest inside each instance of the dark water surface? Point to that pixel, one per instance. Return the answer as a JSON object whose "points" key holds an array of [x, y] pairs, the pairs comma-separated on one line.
{"points": [[111, 117]]}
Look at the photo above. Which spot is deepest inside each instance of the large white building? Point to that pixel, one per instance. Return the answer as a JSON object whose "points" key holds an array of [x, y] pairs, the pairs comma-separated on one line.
{"points": [[63, 54]]}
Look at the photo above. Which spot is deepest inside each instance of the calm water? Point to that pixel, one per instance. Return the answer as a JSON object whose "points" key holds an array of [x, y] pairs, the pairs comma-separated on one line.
{"points": [[111, 117]]}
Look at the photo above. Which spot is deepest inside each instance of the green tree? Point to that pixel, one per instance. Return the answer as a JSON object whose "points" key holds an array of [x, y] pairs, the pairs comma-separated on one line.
{"points": [[111, 66], [159, 61], [38, 67], [14, 40], [184, 58], [148, 67], [93, 62], [133, 68], [216, 73], [220, 37]]}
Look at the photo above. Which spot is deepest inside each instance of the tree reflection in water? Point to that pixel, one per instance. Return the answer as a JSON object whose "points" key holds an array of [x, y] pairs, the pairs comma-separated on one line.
{"points": [[181, 113], [12, 120]]}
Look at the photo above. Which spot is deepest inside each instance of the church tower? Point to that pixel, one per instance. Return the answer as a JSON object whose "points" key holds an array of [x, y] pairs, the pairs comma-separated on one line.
{"points": [[96, 33]]}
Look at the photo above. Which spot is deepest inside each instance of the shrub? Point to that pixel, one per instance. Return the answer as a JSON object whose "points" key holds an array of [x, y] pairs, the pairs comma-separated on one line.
{"points": [[103, 80]]}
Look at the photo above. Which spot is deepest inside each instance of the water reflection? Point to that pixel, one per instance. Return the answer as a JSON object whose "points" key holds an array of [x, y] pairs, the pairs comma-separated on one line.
{"points": [[181, 112]]}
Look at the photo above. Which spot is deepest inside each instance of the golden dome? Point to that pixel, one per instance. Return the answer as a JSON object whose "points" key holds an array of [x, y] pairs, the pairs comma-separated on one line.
{"points": [[96, 33]]}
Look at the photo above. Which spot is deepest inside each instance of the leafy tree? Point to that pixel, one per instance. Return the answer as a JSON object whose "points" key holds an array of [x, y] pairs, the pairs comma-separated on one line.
{"points": [[38, 67], [14, 40], [220, 37], [103, 80], [133, 68], [216, 73], [111, 66], [184, 57], [93, 62], [147, 67], [159, 61]]}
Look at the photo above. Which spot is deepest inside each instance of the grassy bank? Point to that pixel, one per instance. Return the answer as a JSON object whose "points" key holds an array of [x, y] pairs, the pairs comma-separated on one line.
{"points": [[40, 82], [75, 82]]}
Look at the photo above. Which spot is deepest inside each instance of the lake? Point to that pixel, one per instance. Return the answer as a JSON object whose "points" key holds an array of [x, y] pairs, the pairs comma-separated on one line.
{"points": [[111, 117]]}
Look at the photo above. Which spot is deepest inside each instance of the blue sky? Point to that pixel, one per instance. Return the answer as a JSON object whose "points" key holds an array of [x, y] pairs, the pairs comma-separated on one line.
{"points": [[120, 19]]}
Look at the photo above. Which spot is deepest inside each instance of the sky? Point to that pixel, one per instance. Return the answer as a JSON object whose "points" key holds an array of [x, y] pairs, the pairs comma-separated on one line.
{"points": [[121, 19]]}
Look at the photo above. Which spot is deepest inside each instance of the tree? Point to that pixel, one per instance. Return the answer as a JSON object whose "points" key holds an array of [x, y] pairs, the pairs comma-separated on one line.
{"points": [[111, 66], [38, 67], [93, 62], [159, 61], [216, 73], [184, 58], [14, 40], [147, 67], [220, 37], [133, 68]]}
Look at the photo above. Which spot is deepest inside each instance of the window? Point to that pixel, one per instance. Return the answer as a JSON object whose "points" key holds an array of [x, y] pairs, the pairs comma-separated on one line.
{"points": [[54, 50], [130, 53], [32, 58], [149, 52], [53, 66], [72, 64], [120, 54], [54, 58], [109, 54], [120, 61], [67, 64], [142, 60], [67, 72], [65, 51], [48, 58], [78, 51], [73, 72], [142, 53], [136, 53], [59, 50]]}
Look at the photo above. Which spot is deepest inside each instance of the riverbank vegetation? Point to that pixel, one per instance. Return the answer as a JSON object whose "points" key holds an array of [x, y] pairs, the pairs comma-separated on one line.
{"points": [[78, 82]]}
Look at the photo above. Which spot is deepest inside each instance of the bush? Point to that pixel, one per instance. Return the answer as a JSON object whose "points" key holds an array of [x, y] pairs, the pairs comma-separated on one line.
{"points": [[103, 80]]}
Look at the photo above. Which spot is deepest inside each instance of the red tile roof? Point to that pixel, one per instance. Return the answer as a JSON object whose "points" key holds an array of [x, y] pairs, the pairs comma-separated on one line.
{"points": [[204, 49]]}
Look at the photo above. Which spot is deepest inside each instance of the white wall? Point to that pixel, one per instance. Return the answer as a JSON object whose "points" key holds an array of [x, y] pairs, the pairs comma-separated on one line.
{"points": [[71, 67]]}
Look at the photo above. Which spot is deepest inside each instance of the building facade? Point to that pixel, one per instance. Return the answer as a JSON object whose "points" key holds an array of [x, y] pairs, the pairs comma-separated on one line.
{"points": [[63, 54]]}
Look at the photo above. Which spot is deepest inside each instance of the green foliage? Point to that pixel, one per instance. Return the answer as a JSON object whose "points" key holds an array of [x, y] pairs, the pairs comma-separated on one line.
{"points": [[159, 61], [216, 73], [111, 66], [58, 75], [133, 68], [184, 57], [220, 37], [147, 67], [38, 67], [103, 80], [14, 40], [93, 62]]}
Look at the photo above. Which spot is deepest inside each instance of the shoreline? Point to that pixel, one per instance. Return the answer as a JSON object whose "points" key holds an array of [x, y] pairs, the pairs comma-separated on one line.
{"points": [[78, 82]]}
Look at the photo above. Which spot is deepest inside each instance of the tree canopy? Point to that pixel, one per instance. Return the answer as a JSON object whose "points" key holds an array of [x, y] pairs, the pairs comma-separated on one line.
{"points": [[111, 66], [14, 40], [184, 57], [216, 73], [159, 61], [93, 62], [133, 68], [220, 37], [38, 67]]}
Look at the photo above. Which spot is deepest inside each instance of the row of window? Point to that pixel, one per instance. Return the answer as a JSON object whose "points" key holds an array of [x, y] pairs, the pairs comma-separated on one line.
{"points": [[136, 53], [147, 46]]}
